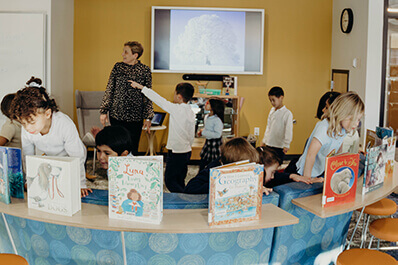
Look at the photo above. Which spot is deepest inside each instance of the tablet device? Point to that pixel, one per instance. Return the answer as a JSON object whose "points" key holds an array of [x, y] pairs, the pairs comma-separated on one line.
{"points": [[158, 119]]}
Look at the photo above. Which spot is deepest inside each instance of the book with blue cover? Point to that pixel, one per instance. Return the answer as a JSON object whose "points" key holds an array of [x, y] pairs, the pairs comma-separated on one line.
{"points": [[375, 164], [136, 188], [235, 194], [11, 174]]}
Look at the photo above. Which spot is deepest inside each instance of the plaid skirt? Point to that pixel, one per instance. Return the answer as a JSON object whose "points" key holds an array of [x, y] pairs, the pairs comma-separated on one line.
{"points": [[211, 149]]}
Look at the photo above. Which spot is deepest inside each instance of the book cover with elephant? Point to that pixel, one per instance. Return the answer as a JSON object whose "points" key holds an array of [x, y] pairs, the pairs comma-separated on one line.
{"points": [[136, 188], [53, 184], [340, 180], [11, 175], [235, 194]]}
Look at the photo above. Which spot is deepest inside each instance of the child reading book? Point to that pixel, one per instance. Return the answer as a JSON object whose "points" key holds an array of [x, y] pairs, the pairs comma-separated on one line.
{"points": [[214, 124], [46, 128], [181, 132]]}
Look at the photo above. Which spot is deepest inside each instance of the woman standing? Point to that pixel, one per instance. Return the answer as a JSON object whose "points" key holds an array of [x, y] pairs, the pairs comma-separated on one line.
{"points": [[127, 106]]}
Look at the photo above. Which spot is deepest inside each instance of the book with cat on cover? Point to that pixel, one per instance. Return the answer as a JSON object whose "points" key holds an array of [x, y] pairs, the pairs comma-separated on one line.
{"points": [[53, 184], [375, 164], [11, 175], [340, 179], [235, 194], [136, 188]]}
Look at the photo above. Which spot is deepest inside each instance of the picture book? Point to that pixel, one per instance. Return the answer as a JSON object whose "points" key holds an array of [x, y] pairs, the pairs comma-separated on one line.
{"points": [[235, 194], [136, 188], [390, 155], [370, 139], [375, 164], [53, 184], [340, 180], [230, 85], [11, 175]]}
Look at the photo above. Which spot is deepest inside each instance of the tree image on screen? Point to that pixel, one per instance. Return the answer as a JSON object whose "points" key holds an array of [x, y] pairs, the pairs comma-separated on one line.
{"points": [[209, 41]]}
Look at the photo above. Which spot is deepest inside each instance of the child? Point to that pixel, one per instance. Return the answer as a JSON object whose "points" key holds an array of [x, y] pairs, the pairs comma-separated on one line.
{"points": [[269, 158], [327, 137], [214, 124], [46, 128], [324, 103], [235, 150], [181, 132], [112, 141], [279, 132], [10, 134]]}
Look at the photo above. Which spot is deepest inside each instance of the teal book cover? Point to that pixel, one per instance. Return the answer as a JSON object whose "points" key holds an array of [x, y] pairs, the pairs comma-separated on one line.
{"points": [[11, 174]]}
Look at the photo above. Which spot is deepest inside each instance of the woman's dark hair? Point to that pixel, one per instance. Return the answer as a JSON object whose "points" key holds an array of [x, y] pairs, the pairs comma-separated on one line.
{"points": [[116, 137], [327, 97], [268, 157], [6, 104], [29, 99], [135, 47], [218, 107]]}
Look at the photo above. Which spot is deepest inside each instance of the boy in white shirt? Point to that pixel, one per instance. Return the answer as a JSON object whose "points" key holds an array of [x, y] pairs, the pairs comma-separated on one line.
{"points": [[279, 132], [181, 132]]}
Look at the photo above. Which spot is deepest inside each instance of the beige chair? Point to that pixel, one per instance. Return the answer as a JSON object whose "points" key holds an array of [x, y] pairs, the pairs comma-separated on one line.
{"points": [[87, 110]]}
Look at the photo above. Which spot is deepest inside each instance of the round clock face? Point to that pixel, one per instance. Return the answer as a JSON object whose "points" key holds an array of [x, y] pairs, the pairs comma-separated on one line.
{"points": [[346, 20]]}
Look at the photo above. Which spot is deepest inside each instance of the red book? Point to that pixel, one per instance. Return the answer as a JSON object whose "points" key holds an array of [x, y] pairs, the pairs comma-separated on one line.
{"points": [[340, 181]]}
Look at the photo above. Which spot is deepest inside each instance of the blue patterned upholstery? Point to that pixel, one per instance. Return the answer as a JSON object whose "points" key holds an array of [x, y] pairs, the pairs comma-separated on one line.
{"points": [[45, 243], [304, 242]]}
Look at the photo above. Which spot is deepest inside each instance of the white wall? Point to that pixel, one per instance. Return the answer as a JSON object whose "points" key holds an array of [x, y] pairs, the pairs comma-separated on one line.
{"points": [[59, 61], [364, 43]]}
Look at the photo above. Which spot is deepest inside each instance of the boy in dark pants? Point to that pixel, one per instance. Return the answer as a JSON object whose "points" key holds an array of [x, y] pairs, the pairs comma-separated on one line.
{"points": [[181, 132]]}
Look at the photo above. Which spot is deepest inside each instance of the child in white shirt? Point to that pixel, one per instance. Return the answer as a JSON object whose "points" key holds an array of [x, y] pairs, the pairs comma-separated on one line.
{"points": [[181, 132], [279, 132], [46, 128]]}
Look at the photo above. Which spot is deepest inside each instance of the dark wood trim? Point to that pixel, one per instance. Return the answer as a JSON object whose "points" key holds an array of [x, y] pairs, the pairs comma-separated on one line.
{"points": [[386, 16]]}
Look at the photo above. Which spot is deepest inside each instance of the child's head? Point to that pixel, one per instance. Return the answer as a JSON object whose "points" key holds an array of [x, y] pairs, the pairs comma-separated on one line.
{"points": [[6, 104], [112, 141], [238, 149], [217, 106], [270, 160], [325, 102], [276, 96], [183, 93], [33, 108], [345, 112], [134, 195]]}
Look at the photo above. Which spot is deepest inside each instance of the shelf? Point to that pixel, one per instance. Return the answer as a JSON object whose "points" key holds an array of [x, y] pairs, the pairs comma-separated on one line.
{"points": [[217, 96]]}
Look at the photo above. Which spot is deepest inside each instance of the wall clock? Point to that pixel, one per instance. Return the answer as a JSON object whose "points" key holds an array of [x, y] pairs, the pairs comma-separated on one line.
{"points": [[346, 20]]}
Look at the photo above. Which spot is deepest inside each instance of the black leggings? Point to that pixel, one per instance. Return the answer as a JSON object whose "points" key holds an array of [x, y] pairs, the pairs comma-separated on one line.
{"points": [[135, 129]]}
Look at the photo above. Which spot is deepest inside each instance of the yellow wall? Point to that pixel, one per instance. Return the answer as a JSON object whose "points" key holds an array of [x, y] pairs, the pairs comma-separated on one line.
{"points": [[297, 54]]}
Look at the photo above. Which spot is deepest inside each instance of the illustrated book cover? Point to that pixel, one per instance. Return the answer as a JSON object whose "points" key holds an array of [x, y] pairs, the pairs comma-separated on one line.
{"points": [[136, 188], [375, 164], [235, 194], [230, 85], [340, 180], [53, 184], [11, 174], [390, 155]]}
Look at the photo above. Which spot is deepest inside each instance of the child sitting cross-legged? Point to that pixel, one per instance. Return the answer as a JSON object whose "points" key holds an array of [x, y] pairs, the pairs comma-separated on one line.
{"points": [[235, 150], [181, 132], [112, 141]]}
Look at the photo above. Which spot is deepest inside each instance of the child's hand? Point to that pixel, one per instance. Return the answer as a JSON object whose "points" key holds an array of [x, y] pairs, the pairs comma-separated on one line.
{"points": [[267, 191], [84, 192], [317, 180], [135, 84], [94, 130], [298, 178], [104, 119], [200, 132], [285, 149]]}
